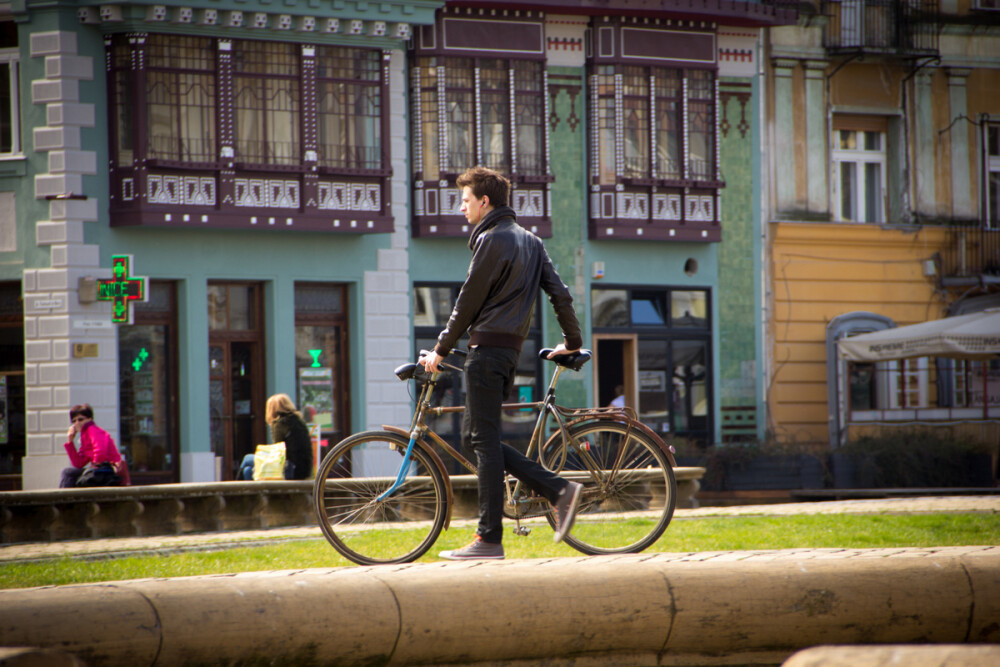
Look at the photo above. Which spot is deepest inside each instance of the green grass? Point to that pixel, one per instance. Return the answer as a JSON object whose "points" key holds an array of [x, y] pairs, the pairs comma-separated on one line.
{"points": [[683, 535]]}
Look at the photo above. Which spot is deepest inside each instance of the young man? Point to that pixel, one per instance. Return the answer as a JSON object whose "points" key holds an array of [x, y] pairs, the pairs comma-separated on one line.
{"points": [[509, 265]]}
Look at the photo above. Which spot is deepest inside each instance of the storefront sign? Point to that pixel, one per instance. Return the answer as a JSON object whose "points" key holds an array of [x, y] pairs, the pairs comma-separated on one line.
{"points": [[46, 304], [91, 324], [316, 395], [121, 289]]}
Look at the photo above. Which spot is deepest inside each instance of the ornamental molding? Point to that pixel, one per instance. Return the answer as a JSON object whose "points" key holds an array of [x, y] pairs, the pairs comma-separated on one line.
{"points": [[392, 20]]}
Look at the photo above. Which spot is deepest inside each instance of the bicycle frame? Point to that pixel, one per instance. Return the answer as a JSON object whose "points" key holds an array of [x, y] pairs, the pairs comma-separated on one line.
{"points": [[419, 429], [564, 417]]}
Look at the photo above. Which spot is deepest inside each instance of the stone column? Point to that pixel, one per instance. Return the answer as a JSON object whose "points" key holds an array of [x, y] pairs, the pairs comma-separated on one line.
{"points": [[59, 371], [817, 137], [925, 140], [784, 136], [387, 292], [961, 193]]}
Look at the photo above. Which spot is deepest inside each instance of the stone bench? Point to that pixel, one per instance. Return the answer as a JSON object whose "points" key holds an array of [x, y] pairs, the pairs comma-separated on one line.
{"points": [[171, 509], [158, 509]]}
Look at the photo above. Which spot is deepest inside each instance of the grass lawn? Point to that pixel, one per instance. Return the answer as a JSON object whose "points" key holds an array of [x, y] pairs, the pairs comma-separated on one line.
{"points": [[683, 535]]}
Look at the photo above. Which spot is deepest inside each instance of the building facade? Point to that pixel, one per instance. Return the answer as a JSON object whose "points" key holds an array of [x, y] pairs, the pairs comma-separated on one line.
{"points": [[883, 127], [205, 204]]}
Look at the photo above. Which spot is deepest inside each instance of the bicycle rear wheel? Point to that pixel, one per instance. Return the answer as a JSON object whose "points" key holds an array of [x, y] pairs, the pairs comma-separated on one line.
{"points": [[629, 491], [364, 529]]}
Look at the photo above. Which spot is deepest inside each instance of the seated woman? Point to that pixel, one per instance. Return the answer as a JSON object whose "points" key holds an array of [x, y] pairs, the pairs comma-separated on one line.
{"points": [[97, 462], [287, 426]]}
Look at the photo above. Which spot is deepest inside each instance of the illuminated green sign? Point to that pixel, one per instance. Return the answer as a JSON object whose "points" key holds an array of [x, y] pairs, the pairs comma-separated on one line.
{"points": [[140, 359], [315, 355], [121, 289]]}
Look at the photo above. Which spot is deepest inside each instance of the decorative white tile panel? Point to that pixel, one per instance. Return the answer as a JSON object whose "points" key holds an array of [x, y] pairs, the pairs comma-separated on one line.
{"points": [[350, 196], [529, 203]]}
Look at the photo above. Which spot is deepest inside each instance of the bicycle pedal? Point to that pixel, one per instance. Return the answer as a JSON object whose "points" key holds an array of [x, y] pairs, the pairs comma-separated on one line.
{"points": [[523, 531]]}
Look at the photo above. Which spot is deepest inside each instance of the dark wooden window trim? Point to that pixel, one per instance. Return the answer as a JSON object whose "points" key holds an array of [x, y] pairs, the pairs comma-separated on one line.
{"points": [[646, 206], [230, 192], [436, 197]]}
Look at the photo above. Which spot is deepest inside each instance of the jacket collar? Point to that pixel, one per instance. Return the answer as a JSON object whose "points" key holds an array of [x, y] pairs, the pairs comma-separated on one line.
{"points": [[490, 221]]}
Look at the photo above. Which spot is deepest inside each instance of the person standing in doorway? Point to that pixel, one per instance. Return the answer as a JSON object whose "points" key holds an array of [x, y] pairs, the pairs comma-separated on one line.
{"points": [[509, 265]]}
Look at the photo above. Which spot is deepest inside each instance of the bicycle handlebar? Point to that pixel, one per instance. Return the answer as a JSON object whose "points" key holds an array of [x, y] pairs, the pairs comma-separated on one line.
{"points": [[575, 361]]}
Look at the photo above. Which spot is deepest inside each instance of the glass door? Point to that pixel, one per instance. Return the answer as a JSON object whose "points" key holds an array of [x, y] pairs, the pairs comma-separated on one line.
{"points": [[236, 376]]}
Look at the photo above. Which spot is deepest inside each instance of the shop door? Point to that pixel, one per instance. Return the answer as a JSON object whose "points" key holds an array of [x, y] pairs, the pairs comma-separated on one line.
{"points": [[236, 379]]}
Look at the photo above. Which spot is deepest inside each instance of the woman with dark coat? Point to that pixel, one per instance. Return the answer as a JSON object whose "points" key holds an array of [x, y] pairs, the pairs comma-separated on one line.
{"points": [[287, 426]]}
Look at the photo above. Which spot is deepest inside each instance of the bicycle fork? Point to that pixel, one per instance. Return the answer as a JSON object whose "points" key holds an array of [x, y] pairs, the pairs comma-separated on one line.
{"points": [[404, 467]]}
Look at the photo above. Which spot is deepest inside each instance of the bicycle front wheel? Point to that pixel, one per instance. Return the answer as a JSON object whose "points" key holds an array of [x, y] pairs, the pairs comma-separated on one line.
{"points": [[629, 491], [361, 525]]}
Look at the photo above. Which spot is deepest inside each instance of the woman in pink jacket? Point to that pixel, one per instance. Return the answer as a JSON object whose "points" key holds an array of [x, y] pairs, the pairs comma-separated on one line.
{"points": [[96, 448]]}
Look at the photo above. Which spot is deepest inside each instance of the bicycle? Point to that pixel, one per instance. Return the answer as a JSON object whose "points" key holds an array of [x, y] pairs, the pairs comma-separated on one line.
{"points": [[385, 496]]}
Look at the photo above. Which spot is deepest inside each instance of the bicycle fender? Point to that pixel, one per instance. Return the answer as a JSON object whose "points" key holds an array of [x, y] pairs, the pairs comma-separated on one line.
{"points": [[422, 444], [638, 425]]}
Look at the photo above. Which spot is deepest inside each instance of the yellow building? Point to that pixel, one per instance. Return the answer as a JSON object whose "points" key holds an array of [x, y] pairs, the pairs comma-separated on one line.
{"points": [[883, 144]]}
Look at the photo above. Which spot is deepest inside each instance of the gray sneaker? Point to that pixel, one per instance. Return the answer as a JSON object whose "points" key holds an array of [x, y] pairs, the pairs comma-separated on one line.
{"points": [[567, 504], [475, 550]]}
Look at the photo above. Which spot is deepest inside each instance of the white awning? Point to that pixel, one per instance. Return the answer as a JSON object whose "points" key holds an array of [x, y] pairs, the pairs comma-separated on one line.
{"points": [[973, 336]]}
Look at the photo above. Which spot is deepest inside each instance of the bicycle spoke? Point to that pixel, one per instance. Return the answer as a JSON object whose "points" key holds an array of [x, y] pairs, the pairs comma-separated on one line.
{"points": [[629, 488], [350, 509]]}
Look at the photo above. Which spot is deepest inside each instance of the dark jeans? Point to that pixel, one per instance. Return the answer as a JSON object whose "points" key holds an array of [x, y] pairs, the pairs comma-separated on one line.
{"points": [[489, 377], [69, 477]]}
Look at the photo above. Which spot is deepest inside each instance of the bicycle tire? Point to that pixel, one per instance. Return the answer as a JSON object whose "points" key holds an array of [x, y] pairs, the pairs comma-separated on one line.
{"points": [[369, 531], [624, 509]]}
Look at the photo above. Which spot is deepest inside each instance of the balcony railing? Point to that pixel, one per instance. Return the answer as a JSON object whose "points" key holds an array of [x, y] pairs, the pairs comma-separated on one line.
{"points": [[891, 27], [972, 256]]}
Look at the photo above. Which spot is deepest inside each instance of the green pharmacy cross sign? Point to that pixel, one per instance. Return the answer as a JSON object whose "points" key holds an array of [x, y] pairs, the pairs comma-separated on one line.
{"points": [[121, 289]]}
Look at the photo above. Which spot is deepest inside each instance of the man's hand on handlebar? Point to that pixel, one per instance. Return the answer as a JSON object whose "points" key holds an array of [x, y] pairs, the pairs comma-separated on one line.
{"points": [[430, 361], [560, 350]]}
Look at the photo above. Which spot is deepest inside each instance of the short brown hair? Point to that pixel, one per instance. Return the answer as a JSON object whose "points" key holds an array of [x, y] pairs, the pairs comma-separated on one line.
{"points": [[486, 183], [81, 409]]}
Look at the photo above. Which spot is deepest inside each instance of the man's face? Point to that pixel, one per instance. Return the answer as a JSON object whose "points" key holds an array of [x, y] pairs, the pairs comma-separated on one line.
{"points": [[471, 206]]}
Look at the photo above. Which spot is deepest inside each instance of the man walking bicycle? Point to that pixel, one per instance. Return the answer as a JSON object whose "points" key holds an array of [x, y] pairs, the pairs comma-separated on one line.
{"points": [[509, 265]]}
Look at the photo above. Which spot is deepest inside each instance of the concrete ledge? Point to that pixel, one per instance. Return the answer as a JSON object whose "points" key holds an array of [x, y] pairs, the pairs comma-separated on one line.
{"points": [[650, 609], [159, 509], [171, 509], [950, 655]]}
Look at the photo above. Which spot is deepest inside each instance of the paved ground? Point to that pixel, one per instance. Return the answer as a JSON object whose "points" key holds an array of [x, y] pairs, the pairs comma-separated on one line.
{"points": [[111, 547]]}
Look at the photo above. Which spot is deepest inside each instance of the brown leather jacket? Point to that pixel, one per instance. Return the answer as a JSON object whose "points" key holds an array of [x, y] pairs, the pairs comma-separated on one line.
{"points": [[509, 264]]}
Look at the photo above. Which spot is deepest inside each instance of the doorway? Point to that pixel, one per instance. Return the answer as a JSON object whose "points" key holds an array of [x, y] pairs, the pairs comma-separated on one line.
{"points": [[615, 370], [236, 374]]}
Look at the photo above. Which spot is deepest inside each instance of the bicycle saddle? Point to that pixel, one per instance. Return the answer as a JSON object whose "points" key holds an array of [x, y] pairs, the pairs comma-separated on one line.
{"points": [[576, 360]]}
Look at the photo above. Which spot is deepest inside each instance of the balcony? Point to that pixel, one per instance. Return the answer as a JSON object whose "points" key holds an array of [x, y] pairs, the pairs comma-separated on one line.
{"points": [[972, 257], [882, 27]]}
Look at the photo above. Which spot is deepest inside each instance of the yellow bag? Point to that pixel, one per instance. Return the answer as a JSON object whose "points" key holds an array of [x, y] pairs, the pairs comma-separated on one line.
{"points": [[269, 462]]}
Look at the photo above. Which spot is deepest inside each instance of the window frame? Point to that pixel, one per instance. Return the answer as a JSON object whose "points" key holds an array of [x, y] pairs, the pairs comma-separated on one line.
{"points": [[670, 333], [11, 57], [445, 67], [649, 203], [518, 429], [230, 190], [860, 158]]}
